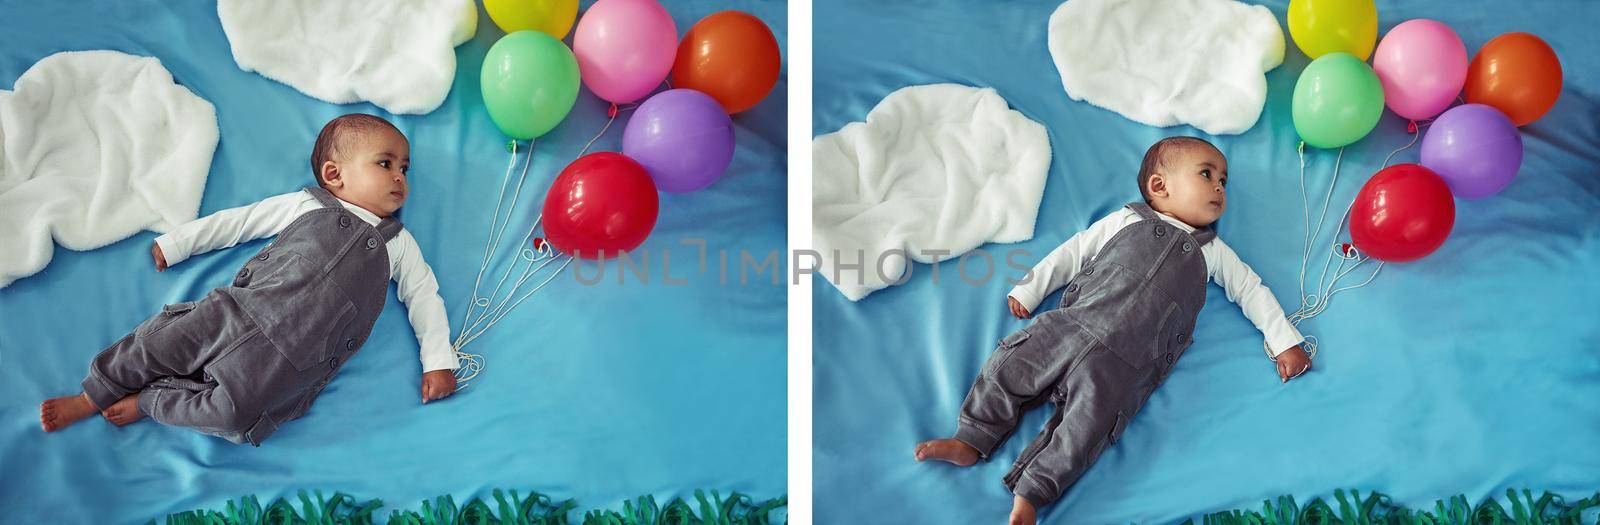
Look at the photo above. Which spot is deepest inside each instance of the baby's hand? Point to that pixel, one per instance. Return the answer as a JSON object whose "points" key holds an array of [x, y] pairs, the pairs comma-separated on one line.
{"points": [[1292, 363], [1017, 309], [161, 259], [438, 384]]}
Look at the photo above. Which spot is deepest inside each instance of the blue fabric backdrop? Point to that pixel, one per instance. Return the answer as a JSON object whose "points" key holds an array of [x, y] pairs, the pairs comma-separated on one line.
{"points": [[1470, 371], [597, 392]]}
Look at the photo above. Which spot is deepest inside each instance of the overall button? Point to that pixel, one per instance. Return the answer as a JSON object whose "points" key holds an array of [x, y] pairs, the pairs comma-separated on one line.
{"points": [[1161, 230], [261, 257], [344, 221], [373, 243], [1169, 358], [1187, 247], [1180, 338], [1072, 287], [350, 344], [244, 272], [334, 363], [1088, 271]]}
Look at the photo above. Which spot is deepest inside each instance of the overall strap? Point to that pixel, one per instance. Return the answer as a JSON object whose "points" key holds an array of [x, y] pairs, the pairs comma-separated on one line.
{"points": [[389, 227], [1143, 210], [1202, 235], [323, 196]]}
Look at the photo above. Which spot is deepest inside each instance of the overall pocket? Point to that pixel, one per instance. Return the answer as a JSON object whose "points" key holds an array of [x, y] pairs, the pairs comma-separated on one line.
{"points": [[1006, 348], [1117, 427], [169, 313]]}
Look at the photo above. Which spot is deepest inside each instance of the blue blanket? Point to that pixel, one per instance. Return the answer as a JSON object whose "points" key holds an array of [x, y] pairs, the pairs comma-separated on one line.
{"points": [[1469, 371], [596, 392]]}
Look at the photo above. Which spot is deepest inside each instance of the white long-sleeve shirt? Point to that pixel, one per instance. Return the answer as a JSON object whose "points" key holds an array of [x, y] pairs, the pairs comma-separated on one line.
{"points": [[1242, 285], [414, 278]]}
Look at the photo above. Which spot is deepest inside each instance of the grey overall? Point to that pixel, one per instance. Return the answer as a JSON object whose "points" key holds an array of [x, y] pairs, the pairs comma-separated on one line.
{"points": [[1123, 321], [248, 357]]}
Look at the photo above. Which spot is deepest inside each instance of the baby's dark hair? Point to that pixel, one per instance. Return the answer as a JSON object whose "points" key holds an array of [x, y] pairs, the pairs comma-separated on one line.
{"points": [[335, 135], [1157, 154]]}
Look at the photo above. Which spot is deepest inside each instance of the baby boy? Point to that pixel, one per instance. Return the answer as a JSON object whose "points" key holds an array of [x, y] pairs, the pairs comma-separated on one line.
{"points": [[251, 356], [1135, 283]]}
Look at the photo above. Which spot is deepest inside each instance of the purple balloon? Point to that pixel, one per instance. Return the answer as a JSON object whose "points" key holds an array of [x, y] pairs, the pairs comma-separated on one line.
{"points": [[682, 137], [1474, 148]]}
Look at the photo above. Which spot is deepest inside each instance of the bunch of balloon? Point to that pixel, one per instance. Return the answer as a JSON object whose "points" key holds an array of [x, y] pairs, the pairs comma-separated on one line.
{"points": [[1473, 150], [678, 140], [1405, 212]]}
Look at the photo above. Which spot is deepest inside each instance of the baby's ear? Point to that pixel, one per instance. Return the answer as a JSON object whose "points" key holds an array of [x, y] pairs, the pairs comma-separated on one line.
{"points": [[329, 175], [1158, 185]]}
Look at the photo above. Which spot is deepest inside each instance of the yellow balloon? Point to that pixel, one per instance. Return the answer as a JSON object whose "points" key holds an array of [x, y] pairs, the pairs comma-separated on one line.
{"points": [[1320, 27], [551, 17]]}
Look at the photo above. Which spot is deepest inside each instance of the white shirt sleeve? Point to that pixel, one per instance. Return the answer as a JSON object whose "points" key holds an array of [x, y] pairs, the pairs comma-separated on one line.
{"points": [[1244, 288], [230, 227], [1065, 261], [419, 291]]}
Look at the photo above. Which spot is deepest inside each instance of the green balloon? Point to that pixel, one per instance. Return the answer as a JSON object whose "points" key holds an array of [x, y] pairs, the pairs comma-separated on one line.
{"points": [[1337, 100], [530, 81]]}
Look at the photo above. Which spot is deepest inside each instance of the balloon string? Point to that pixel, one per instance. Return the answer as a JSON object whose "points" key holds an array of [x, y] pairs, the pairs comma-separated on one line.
{"points": [[493, 242], [1313, 304], [1416, 132], [611, 116], [536, 258]]}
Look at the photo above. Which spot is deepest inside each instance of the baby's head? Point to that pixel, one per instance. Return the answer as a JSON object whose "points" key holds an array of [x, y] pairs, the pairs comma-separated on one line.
{"points": [[362, 160], [1186, 178]]}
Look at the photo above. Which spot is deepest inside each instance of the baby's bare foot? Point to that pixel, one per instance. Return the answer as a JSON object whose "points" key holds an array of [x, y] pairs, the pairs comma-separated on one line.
{"points": [[1022, 512], [55, 414], [950, 450], [124, 411]]}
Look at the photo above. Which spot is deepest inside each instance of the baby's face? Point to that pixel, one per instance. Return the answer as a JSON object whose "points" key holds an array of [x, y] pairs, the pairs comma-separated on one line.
{"points": [[1196, 180], [372, 174]]}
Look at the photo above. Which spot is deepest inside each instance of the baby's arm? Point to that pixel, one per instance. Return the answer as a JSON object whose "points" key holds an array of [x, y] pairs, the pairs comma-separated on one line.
{"points": [[227, 228], [420, 292], [1057, 268], [1244, 288]]}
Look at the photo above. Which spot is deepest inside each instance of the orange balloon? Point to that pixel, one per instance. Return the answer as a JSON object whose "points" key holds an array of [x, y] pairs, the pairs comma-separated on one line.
{"points": [[731, 56], [1518, 74]]}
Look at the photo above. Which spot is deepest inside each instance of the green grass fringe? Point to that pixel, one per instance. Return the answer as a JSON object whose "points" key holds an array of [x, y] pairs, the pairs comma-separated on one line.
{"points": [[1377, 509], [536, 509]]}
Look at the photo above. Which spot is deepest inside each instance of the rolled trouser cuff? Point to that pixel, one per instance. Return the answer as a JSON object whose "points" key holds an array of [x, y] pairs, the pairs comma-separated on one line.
{"points": [[977, 438], [100, 392], [1037, 494]]}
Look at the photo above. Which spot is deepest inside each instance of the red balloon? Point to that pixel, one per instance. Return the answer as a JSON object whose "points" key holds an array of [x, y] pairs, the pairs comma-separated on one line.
{"points": [[601, 205], [1402, 214]]}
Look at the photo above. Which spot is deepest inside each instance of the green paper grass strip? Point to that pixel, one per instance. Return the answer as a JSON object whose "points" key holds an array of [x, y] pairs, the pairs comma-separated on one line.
{"points": [[1378, 509], [536, 509]]}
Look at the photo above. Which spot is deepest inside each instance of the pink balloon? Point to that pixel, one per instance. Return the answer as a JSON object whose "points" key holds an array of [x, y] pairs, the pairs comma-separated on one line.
{"points": [[1422, 65], [625, 48]]}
